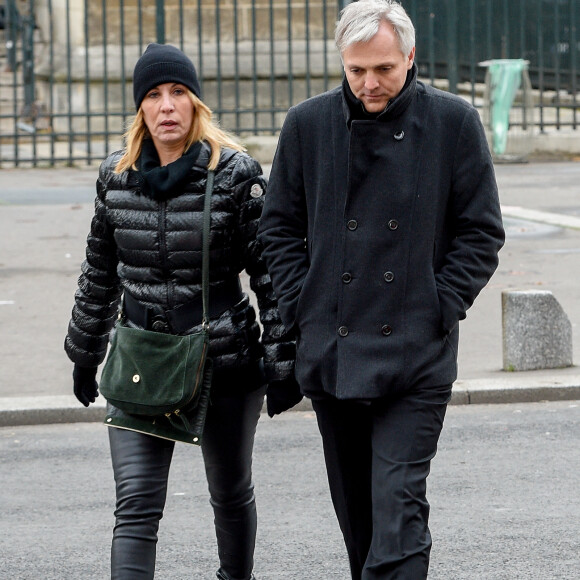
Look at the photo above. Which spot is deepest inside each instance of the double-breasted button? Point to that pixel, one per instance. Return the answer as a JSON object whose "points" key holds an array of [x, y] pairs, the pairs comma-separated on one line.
{"points": [[343, 331], [352, 225], [387, 329], [347, 278], [393, 224], [389, 276], [399, 135]]}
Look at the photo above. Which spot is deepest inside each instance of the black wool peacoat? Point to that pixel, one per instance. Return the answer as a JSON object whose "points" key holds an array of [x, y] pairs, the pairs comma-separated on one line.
{"points": [[378, 235]]}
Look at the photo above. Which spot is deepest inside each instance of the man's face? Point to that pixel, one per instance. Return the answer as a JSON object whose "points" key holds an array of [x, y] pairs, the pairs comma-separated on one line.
{"points": [[376, 70]]}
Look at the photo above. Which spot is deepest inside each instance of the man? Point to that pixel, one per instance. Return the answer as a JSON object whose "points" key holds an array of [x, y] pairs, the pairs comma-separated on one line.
{"points": [[381, 225]]}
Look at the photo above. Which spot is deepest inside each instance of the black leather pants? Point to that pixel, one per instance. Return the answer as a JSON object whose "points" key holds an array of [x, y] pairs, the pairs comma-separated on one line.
{"points": [[141, 467]]}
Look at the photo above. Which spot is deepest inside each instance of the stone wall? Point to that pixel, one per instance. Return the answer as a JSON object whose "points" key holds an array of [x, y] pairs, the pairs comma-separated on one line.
{"points": [[242, 19], [240, 48], [121, 33]]}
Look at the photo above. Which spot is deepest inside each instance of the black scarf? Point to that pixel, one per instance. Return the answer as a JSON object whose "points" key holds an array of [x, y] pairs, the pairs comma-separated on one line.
{"points": [[161, 183]]}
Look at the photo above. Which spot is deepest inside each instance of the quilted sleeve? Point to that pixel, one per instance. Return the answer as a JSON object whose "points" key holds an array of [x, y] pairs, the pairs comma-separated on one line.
{"points": [[99, 290], [278, 345]]}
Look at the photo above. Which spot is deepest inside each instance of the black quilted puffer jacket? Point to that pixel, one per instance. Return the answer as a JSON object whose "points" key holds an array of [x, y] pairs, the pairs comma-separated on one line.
{"points": [[152, 250]]}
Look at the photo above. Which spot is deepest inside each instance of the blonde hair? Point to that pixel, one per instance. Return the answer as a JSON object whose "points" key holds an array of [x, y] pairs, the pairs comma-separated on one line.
{"points": [[203, 128]]}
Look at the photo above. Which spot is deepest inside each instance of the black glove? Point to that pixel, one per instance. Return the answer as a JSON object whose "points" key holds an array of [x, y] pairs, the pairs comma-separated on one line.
{"points": [[85, 384], [282, 395]]}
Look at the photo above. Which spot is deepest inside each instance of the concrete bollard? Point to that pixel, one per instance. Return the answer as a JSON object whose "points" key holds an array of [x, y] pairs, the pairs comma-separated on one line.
{"points": [[537, 333]]}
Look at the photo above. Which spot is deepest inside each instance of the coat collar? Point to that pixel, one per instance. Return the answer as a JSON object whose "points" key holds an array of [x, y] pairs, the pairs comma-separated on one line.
{"points": [[354, 111]]}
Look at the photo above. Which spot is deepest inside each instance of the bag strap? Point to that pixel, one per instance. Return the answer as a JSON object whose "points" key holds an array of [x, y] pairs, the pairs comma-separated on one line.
{"points": [[205, 250]]}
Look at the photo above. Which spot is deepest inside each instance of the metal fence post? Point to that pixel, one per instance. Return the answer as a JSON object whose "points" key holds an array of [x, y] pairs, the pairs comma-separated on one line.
{"points": [[431, 40], [28, 63], [452, 73], [573, 62], [160, 20], [12, 25]]}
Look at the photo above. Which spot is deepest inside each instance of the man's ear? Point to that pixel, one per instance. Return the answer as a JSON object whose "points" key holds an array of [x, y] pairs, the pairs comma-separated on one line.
{"points": [[411, 58]]}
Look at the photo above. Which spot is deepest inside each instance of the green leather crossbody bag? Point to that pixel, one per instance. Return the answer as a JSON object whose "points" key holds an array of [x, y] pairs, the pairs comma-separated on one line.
{"points": [[154, 375]]}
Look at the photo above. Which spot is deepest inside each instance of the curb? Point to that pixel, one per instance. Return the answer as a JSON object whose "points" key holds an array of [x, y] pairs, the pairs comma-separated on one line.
{"points": [[16, 411], [514, 389]]}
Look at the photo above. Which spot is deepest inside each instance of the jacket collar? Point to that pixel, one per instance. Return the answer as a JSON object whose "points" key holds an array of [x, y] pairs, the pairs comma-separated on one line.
{"points": [[354, 110]]}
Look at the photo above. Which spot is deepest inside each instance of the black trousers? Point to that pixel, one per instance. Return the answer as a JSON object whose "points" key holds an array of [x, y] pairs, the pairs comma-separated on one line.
{"points": [[378, 458], [141, 468]]}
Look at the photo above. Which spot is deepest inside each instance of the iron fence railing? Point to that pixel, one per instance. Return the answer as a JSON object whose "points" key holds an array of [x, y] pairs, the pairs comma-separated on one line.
{"points": [[65, 65], [454, 36]]}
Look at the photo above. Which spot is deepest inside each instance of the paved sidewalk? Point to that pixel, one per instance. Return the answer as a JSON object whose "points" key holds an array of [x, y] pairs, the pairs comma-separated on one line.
{"points": [[45, 216]]}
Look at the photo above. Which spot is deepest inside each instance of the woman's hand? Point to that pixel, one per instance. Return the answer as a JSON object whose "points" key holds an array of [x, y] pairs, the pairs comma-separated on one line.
{"points": [[85, 384]]}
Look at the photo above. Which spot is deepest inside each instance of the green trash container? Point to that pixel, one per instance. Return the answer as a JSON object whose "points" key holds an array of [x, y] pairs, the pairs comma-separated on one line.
{"points": [[506, 79]]}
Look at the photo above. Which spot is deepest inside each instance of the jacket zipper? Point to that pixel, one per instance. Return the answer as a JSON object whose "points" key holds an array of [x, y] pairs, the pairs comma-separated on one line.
{"points": [[163, 249]]}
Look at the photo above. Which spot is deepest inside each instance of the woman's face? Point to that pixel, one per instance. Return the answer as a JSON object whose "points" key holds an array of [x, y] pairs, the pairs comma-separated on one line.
{"points": [[168, 113]]}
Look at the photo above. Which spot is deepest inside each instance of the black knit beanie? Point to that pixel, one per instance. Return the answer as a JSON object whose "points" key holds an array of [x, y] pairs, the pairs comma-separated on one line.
{"points": [[163, 63]]}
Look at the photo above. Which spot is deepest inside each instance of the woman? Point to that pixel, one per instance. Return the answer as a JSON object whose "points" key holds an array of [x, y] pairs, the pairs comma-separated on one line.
{"points": [[145, 243]]}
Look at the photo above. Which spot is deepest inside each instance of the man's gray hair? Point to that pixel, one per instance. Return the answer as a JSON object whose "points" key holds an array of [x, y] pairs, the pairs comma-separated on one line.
{"points": [[359, 22]]}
